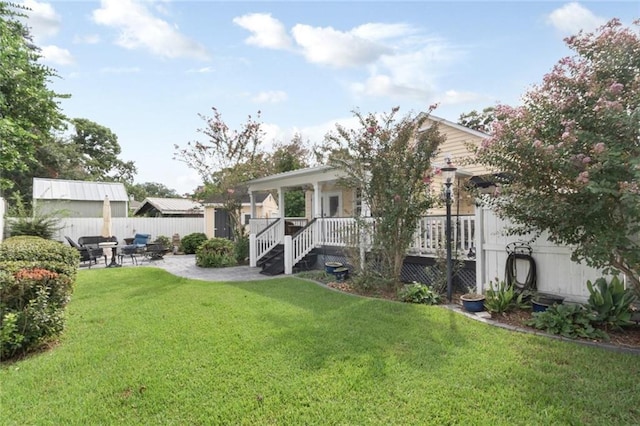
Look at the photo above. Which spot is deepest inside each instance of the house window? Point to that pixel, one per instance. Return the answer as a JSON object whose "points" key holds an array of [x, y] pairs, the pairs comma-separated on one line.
{"points": [[246, 219]]}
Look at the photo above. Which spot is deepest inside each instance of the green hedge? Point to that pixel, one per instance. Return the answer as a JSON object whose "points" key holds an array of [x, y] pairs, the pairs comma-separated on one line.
{"points": [[216, 253], [36, 283], [191, 242]]}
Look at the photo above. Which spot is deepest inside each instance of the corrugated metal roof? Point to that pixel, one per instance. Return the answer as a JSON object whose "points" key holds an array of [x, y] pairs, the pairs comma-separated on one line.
{"points": [[60, 189], [172, 205]]}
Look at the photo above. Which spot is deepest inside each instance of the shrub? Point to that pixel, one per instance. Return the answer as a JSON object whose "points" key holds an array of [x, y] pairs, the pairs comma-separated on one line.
{"points": [[164, 241], [36, 282], [35, 223], [568, 320], [502, 298], [418, 293], [191, 242], [215, 253], [241, 250], [611, 302]]}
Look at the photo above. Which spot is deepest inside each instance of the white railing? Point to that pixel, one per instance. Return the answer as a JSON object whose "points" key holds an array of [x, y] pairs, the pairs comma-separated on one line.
{"points": [[268, 238], [256, 225], [304, 241], [338, 231], [431, 234]]}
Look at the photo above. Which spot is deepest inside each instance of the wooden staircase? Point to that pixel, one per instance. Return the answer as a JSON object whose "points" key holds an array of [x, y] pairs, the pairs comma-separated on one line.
{"points": [[273, 262]]}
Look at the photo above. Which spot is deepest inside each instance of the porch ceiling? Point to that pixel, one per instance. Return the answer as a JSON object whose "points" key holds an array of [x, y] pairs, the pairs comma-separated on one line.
{"points": [[295, 178]]}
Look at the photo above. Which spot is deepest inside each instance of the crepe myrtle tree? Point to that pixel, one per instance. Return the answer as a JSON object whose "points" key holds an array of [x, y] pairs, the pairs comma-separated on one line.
{"points": [[389, 160], [572, 152]]}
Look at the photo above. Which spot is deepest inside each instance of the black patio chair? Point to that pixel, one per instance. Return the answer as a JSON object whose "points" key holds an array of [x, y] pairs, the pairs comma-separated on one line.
{"points": [[87, 254]]}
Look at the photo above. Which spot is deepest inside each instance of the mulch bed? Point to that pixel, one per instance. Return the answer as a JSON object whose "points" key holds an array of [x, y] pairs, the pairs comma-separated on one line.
{"points": [[629, 337]]}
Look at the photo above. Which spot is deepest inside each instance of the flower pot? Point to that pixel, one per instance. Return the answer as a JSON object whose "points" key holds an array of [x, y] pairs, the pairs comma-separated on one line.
{"points": [[329, 267], [542, 301], [472, 302], [341, 273]]}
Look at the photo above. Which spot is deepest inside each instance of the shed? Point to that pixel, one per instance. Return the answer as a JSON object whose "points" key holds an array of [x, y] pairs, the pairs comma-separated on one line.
{"points": [[79, 198], [169, 207]]}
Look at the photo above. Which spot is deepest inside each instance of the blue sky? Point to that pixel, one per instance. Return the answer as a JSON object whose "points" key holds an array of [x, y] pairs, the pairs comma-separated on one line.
{"points": [[146, 69]]}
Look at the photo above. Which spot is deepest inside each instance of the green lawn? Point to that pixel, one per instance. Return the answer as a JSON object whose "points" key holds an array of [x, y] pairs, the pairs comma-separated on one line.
{"points": [[144, 347]]}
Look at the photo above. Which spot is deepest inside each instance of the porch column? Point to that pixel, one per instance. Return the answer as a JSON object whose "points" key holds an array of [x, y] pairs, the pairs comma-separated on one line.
{"points": [[317, 199], [252, 202], [281, 208], [479, 243]]}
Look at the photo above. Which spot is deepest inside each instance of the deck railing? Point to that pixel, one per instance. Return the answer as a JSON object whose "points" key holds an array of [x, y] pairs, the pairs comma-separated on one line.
{"points": [[304, 241], [268, 238], [431, 234], [256, 225]]}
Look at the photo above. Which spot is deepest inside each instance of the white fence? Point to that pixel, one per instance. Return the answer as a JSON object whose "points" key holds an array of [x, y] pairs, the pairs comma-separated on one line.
{"points": [[127, 227], [556, 272]]}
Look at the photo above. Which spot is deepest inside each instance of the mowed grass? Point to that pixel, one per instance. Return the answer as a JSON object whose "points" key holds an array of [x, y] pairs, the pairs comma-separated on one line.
{"points": [[145, 347]]}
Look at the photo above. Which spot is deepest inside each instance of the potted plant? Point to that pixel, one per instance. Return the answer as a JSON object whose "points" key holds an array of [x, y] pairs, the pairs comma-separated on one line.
{"points": [[472, 301], [341, 273]]}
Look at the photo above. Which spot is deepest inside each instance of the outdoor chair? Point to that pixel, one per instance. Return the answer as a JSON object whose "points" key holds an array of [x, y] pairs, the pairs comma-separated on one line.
{"points": [[137, 247], [87, 254]]}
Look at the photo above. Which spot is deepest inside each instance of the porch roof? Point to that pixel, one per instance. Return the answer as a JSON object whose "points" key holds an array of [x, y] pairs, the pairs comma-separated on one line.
{"points": [[296, 178]]}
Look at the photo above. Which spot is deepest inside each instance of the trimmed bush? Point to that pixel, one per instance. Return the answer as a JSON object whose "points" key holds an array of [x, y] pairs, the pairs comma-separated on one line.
{"points": [[242, 250], [216, 253], [36, 282], [191, 242]]}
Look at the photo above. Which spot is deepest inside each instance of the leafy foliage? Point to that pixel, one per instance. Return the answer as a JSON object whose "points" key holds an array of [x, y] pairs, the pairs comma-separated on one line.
{"points": [[480, 121], [611, 302], [568, 320], [140, 191], [241, 250], [29, 110], [164, 241], [386, 159], [36, 282], [571, 152], [418, 293], [34, 223], [503, 298], [216, 253], [191, 242]]}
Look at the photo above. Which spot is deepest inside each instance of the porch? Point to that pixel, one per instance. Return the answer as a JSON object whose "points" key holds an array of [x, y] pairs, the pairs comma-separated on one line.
{"points": [[295, 238]]}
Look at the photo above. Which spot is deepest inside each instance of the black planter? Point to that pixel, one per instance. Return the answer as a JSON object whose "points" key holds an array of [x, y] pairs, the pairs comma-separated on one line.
{"points": [[329, 267], [341, 273], [542, 301], [472, 303]]}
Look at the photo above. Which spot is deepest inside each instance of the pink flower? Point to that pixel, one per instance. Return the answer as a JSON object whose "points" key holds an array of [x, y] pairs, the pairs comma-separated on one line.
{"points": [[537, 144], [599, 148], [230, 191], [616, 88], [397, 198], [371, 130], [586, 160], [583, 177]]}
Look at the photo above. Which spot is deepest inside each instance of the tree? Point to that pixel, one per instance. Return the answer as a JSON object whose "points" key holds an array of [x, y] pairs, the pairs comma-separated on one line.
{"points": [[285, 158], [388, 159], [480, 121], [226, 161], [93, 153], [572, 152], [29, 111], [140, 191]]}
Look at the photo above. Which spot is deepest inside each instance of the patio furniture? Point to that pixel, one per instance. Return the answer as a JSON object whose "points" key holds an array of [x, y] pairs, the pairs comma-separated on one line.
{"points": [[135, 247], [99, 243], [87, 253]]}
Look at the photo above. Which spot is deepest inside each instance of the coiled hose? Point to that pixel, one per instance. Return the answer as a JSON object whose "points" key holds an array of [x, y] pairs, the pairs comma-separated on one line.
{"points": [[511, 272]]}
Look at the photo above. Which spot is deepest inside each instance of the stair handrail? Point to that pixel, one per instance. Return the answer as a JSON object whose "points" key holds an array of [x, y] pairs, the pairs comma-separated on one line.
{"points": [[303, 241], [269, 237]]}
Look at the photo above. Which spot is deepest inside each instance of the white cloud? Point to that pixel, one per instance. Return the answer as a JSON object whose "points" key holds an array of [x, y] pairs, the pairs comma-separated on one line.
{"points": [[86, 39], [120, 70], [454, 97], [56, 55], [573, 17], [139, 29], [203, 70], [267, 31], [328, 46], [377, 31], [43, 19], [271, 97]]}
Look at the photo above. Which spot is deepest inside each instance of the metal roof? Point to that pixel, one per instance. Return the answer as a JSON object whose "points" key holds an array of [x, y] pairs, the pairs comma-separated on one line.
{"points": [[60, 189], [172, 205]]}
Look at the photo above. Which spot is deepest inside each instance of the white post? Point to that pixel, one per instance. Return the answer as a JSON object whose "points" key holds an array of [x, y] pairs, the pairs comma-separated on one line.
{"points": [[288, 255], [479, 240], [317, 208], [253, 251], [252, 201]]}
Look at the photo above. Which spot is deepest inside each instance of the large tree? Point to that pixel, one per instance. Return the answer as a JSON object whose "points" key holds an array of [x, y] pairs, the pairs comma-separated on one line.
{"points": [[140, 191], [572, 152], [29, 111], [388, 159]]}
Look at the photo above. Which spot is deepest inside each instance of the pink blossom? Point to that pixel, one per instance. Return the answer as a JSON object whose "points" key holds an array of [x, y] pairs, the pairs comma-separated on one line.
{"points": [[397, 198], [586, 160], [438, 171], [599, 148], [371, 130], [583, 177], [616, 88], [537, 144], [230, 191]]}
